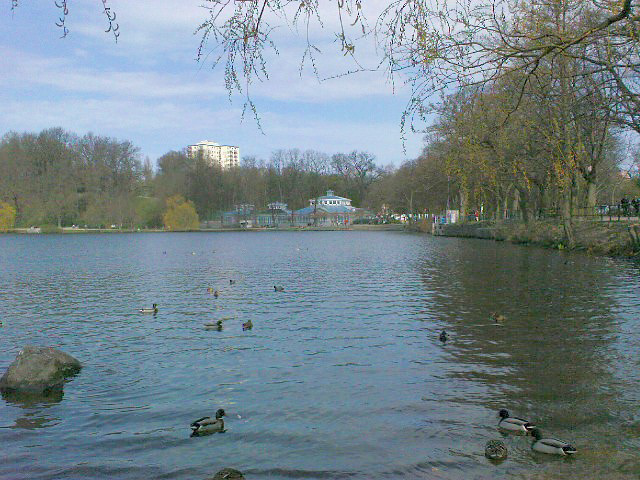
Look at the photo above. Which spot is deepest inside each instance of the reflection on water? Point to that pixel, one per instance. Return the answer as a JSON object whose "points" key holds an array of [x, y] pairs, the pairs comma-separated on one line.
{"points": [[30, 400], [343, 374], [35, 408]]}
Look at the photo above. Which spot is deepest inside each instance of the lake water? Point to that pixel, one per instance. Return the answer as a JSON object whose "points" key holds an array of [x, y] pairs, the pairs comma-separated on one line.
{"points": [[342, 375]]}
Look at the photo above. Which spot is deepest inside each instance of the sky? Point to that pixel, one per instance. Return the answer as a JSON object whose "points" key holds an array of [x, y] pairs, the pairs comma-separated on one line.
{"points": [[148, 87]]}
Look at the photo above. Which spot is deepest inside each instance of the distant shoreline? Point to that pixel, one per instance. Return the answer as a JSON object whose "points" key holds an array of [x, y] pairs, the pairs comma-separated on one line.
{"points": [[78, 231]]}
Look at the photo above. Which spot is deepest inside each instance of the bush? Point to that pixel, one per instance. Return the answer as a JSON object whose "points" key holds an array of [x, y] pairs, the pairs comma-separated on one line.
{"points": [[180, 214], [7, 216]]}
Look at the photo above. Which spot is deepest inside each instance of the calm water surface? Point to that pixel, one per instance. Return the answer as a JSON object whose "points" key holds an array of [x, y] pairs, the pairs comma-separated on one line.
{"points": [[342, 376]]}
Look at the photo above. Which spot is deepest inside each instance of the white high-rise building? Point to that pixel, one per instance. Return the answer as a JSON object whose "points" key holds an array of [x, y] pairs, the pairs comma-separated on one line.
{"points": [[224, 156]]}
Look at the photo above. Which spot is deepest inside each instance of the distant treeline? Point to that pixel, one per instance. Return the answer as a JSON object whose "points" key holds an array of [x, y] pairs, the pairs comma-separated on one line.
{"points": [[469, 162], [58, 178]]}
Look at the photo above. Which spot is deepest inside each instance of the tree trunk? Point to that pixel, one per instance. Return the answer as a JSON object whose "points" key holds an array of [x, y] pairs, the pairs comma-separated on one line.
{"points": [[542, 204], [411, 207], [15, 203], [567, 224], [523, 205], [497, 214], [575, 196], [464, 202], [592, 192]]}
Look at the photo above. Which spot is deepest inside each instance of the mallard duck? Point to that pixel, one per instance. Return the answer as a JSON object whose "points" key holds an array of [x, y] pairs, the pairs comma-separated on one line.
{"points": [[153, 309], [495, 450], [217, 325], [278, 288], [497, 318], [205, 425], [216, 293], [514, 424], [550, 445], [443, 336], [248, 325], [232, 282]]}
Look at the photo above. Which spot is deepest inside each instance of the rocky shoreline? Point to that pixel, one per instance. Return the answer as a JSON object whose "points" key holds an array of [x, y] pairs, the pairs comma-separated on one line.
{"points": [[619, 239]]}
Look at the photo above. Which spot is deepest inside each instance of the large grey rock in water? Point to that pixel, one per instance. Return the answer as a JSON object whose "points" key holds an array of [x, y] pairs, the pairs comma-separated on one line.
{"points": [[39, 370], [228, 474]]}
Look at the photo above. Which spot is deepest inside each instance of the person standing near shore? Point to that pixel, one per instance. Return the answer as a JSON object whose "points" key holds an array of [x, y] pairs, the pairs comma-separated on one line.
{"points": [[624, 203]]}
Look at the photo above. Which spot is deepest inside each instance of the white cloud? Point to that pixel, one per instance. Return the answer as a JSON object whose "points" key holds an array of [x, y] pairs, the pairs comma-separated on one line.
{"points": [[80, 77]]}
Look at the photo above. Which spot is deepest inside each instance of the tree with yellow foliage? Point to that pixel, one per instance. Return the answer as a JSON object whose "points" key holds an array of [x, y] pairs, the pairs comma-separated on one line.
{"points": [[7, 216], [180, 214]]}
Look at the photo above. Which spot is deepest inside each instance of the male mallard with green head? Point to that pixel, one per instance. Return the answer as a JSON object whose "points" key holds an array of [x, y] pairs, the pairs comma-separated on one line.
{"points": [[214, 325], [514, 424], [206, 426], [552, 446], [153, 309]]}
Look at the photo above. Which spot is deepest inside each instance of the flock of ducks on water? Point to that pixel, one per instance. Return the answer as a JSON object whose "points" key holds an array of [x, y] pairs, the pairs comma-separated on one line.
{"points": [[248, 325], [494, 449], [207, 425]]}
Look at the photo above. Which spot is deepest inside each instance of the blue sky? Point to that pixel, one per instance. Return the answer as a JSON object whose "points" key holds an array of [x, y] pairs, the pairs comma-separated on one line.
{"points": [[149, 89]]}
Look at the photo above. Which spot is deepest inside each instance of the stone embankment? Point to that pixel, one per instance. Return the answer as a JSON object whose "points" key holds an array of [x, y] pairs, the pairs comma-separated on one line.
{"points": [[600, 238]]}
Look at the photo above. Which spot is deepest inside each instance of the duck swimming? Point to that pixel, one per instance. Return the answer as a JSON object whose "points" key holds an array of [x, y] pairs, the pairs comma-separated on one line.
{"points": [[232, 282], [248, 325], [153, 309], [495, 450], [514, 424], [206, 426], [497, 318], [551, 445], [217, 325], [278, 288], [443, 336]]}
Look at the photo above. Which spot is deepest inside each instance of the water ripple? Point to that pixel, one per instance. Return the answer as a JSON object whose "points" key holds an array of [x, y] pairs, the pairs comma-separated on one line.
{"points": [[342, 375]]}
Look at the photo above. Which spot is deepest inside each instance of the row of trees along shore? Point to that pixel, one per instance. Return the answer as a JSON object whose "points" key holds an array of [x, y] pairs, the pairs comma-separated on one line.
{"points": [[58, 178]]}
